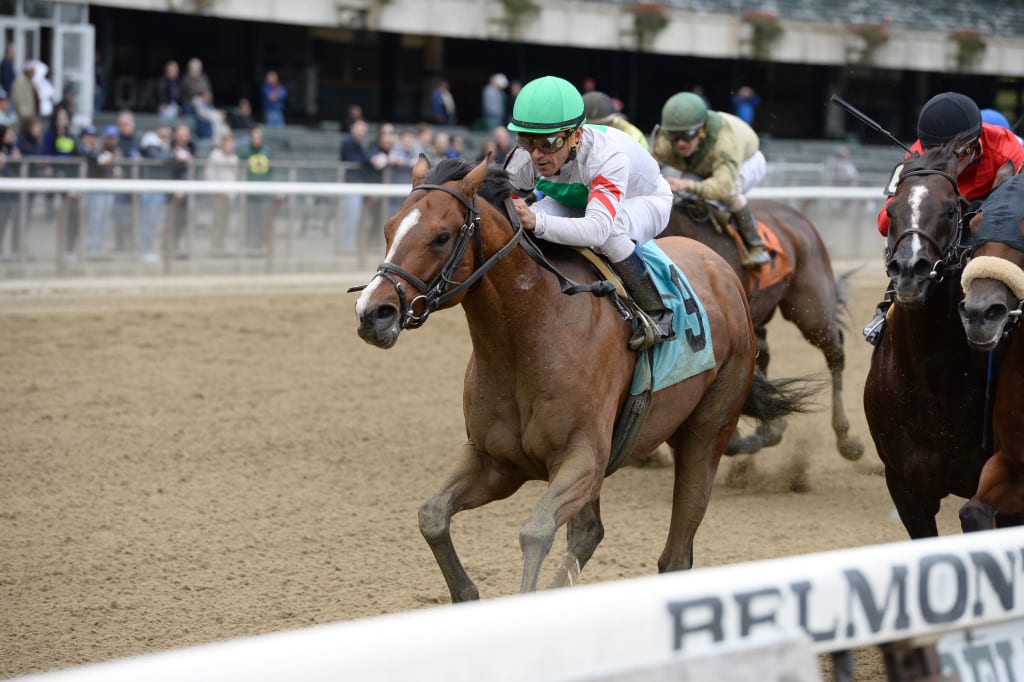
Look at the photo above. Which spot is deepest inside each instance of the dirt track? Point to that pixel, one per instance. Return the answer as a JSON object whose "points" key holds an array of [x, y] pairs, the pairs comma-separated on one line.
{"points": [[182, 468]]}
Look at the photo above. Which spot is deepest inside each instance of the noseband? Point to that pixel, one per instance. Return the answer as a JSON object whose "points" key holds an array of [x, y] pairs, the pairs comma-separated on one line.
{"points": [[442, 288], [954, 251]]}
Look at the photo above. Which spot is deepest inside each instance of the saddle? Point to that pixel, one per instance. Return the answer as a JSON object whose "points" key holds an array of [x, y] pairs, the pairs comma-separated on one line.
{"points": [[719, 217]]}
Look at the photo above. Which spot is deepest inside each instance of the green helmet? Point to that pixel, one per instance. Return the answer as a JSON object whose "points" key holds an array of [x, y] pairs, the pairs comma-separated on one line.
{"points": [[546, 105], [684, 111]]}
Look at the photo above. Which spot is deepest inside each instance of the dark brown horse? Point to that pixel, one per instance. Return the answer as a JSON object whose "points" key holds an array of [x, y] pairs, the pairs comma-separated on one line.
{"points": [[549, 372], [925, 391], [809, 297], [991, 313]]}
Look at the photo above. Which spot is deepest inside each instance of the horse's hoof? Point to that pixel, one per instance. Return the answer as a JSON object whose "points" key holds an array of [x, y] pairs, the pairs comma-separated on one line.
{"points": [[747, 445], [851, 449]]}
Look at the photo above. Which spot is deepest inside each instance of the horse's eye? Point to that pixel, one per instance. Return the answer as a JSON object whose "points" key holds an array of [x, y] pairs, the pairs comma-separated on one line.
{"points": [[441, 239], [951, 214]]}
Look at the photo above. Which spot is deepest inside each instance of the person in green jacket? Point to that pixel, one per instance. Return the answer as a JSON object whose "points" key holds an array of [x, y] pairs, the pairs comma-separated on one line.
{"points": [[719, 157]]}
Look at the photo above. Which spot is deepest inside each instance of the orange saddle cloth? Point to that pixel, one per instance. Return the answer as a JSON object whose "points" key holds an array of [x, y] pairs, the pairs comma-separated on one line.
{"points": [[768, 274]]}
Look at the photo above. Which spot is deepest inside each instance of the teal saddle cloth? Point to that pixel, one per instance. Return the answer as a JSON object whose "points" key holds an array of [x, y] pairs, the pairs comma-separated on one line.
{"points": [[691, 352]]}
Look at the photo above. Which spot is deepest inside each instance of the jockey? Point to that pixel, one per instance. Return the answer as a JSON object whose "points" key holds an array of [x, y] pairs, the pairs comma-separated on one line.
{"points": [[722, 152], [599, 110], [601, 189], [943, 118]]}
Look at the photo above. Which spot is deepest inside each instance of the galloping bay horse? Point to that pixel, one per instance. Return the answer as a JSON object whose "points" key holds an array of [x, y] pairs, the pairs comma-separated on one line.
{"points": [[549, 372], [925, 391], [991, 316], [809, 297]]}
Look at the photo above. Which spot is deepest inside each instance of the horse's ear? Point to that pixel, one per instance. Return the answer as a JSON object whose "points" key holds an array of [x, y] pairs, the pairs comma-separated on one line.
{"points": [[419, 169], [474, 178], [975, 222], [1004, 173]]}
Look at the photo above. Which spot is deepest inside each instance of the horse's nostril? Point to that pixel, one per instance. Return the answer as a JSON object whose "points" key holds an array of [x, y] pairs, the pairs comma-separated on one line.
{"points": [[995, 312], [893, 269], [385, 313], [922, 268]]}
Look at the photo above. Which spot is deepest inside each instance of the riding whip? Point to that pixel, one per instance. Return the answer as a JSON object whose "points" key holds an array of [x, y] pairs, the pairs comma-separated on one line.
{"points": [[866, 120]]}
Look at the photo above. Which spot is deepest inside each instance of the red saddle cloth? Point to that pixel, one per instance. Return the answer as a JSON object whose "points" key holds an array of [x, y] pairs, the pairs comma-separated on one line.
{"points": [[771, 273]]}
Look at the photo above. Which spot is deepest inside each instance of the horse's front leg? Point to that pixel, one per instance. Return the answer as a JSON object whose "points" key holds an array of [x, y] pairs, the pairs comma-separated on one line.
{"points": [[468, 485], [585, 533], [573, 485]]}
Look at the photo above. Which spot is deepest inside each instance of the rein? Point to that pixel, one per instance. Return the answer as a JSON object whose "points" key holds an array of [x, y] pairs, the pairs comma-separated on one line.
{"points": [[442, 288], [954, 252]]}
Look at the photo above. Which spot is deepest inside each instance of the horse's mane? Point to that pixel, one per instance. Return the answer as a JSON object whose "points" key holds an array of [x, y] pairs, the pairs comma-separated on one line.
{"points": [[495, 188], [936, 158]]}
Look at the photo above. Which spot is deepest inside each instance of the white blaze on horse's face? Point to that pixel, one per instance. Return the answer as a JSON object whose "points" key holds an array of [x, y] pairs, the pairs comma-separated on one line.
{"points": [[410, 221], [918, 196]]}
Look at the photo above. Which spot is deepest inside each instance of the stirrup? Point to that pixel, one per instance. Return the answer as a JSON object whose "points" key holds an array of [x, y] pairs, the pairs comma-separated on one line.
{"points": [[756, 257], [650, 331], [873, 330]]}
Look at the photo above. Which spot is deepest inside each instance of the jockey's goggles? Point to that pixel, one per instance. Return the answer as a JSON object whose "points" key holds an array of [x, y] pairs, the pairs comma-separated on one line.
{"points": [[684, 135], [967, 149], [546, 143]]}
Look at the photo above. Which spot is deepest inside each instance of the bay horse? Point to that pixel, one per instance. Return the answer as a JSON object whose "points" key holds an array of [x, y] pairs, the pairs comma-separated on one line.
{"points": [[810, 297], [925, 390], [549, 372], [993, 282]]}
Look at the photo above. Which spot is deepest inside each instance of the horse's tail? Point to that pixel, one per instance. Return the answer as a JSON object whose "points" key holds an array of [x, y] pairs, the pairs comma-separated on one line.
{"points": [[770, 400], [843, 295]]}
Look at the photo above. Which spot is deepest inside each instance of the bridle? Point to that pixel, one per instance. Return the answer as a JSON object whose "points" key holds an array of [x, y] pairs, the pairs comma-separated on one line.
{"points": [[442, 288], [954, 251]]}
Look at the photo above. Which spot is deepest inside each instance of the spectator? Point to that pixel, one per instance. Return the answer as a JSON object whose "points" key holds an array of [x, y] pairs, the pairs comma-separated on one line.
{"points": [[240, 118], [183, 153], [459, 146], [209, 121], [403, 156], [502, 144], [425, 138], [442, 104], [44, 90], [222, 166], [381, 161], [7, 116], [259, 209], [102, 162], [353, 151], [443, 147], [7, 72], [194, 82], [168, 92], [60, 145], [155, 148], [839, 168], [513, 91], [30, 144], [493, 101], [23, 93], [128, 144], [9, 168], [355, 113], [274, 95], [67, 102], [745, 103]]}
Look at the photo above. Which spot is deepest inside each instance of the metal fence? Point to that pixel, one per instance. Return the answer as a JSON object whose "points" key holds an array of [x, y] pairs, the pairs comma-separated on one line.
{"points": [[56, 222]]}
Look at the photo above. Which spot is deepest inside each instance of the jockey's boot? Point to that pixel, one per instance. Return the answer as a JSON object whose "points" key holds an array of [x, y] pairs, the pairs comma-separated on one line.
{"points": [[638, 282], [757, 255], [873, 330]]}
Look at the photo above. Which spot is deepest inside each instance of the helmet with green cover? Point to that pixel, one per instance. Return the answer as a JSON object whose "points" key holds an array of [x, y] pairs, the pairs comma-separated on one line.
{"points": [[546, 105], [684, 112]]}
